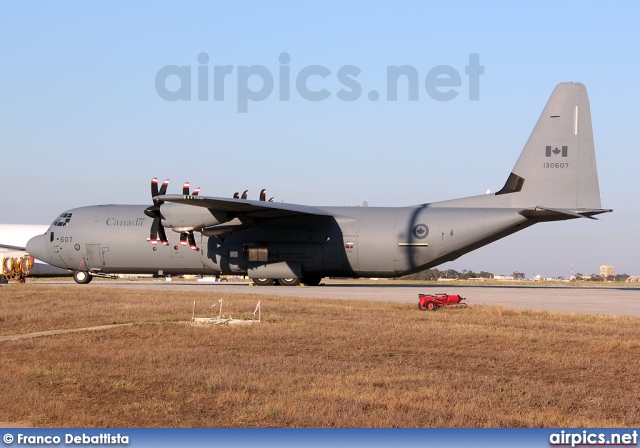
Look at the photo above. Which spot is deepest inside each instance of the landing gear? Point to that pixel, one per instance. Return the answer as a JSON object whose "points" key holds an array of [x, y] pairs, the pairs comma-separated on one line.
{"points": [[263, 281], [82, 277], [309, 281], [289, 281]]}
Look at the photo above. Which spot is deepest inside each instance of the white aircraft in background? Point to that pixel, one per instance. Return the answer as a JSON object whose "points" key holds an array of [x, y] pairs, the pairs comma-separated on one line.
{"points": [[13, 241]]}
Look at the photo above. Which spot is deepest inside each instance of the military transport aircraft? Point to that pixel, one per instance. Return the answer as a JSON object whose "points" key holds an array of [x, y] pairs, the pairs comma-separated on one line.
{"points": [[555, 178]]}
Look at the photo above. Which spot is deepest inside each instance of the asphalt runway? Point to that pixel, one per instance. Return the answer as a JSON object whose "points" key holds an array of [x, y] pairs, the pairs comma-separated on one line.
{"points": [[613, 301]]}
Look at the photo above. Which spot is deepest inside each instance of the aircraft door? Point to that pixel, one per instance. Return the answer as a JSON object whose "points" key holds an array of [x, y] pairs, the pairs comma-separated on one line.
{"points": [[350, 236], [94, 259]]}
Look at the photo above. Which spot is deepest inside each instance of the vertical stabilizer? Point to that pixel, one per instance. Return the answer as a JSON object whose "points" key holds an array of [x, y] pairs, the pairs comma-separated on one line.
{"points": [[557, 167]]}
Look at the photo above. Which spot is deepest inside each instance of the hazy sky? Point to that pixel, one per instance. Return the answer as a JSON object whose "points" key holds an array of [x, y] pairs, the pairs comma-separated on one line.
{"points": [[82, 122]]}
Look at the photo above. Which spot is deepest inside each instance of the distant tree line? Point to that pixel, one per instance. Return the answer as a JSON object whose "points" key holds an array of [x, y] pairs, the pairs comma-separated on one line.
{"points": [[599, 278], [435, 274]]}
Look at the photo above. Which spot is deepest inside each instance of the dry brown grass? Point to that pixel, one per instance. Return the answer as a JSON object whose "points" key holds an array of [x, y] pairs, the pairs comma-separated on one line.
{"points": [[329, 363]]}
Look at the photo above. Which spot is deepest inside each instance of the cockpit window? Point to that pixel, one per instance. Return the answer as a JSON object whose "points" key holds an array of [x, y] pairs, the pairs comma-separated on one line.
{"points": [[62, 220]]}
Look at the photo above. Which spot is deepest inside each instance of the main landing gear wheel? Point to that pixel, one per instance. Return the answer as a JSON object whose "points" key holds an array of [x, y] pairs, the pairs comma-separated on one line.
{"points": [[263, 281], [82, 277], [289, 281]]}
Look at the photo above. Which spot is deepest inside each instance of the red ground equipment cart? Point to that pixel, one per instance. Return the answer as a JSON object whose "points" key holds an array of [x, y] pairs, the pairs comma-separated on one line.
{"points": [[434, 301]]}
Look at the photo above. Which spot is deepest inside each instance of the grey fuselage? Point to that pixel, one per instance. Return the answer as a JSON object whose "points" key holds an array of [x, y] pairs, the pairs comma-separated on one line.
{"points": [[353, 242]]}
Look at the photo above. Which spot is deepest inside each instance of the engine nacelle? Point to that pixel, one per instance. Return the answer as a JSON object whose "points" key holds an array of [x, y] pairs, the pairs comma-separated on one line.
{"points": [[186, 218]]}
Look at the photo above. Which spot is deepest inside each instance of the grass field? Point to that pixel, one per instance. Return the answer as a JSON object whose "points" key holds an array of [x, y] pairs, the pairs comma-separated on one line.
{"points": [[329, 363]]}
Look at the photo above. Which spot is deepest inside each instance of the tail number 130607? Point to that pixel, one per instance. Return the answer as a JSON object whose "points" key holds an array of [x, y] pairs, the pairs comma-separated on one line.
{"points": [[556, 165]]}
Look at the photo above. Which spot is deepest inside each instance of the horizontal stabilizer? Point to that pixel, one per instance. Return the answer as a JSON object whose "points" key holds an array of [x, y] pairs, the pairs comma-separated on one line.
{"points": [[540, 213]]}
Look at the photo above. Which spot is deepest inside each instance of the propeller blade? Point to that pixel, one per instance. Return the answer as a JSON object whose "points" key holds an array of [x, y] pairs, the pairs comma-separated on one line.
{"points": [[192, 241], [236, 195], [195, 192], [154, 187], [271, 200], [245, 194], [154, 212], [185, 189], [163, 235], [263, 194], [153, 236], [183, 238], [163, 188]]}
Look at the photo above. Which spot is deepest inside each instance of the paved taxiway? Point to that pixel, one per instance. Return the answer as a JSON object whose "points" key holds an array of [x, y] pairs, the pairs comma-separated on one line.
{"points": [[586, 300]]}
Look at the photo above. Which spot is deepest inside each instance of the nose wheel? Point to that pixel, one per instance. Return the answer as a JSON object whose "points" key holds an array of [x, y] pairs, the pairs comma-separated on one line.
{"points": [[82, 277]]}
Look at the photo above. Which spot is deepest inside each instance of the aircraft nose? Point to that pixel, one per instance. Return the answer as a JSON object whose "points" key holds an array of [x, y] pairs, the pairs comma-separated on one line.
{"points": [[37, 247]]}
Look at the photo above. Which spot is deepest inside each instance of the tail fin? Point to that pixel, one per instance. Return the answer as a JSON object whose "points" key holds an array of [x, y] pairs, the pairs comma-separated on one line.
{"points": [[557, 167]]}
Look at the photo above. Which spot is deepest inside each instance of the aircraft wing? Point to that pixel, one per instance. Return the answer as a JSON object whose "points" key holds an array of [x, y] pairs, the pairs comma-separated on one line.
{"points": [[245, 207]]}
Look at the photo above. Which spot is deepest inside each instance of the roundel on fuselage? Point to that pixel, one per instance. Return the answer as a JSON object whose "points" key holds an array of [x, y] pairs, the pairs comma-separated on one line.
{"points": [[420, 231]]}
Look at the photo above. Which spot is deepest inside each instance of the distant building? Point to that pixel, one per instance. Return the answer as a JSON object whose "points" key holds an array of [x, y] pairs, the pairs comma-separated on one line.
{"points": [[633, 279], [606, 271], [503, 277]]}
